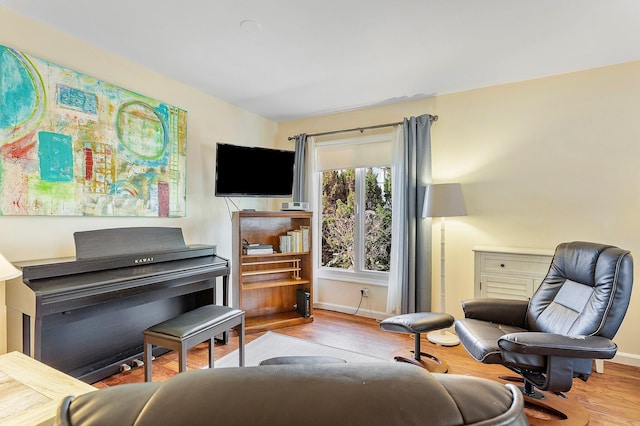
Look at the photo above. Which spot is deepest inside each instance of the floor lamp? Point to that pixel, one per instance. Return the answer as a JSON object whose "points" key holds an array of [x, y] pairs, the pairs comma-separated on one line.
{"points": [[443, 200]]}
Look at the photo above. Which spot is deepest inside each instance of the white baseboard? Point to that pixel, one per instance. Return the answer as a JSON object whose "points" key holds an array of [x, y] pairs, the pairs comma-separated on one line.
{"points": [[367, 313], [627, 358]]}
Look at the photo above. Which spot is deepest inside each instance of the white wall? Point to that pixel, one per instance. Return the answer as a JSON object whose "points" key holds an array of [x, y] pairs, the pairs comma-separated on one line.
{"points": [[209, 120], [541, 162]]}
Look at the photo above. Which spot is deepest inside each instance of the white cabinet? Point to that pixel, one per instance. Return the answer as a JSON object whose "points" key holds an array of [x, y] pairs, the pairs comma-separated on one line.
{"points": [[509, 273]]}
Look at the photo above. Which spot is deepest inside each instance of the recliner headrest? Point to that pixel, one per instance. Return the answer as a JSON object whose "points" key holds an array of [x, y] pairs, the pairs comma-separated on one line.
{"points": [[577, 261], [605, 274]]}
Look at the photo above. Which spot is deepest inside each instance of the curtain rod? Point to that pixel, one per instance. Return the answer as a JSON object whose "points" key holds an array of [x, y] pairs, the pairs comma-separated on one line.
{"points": [[358, 129]]}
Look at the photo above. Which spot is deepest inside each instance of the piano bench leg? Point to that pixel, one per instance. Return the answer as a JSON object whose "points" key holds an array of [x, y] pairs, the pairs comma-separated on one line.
{"points": [[182, 358], [211, 344], [147, 360], [241, 338]]}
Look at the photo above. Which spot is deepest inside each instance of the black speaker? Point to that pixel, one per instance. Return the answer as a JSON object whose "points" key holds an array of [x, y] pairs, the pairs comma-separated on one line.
{"points": [[303, 303]]}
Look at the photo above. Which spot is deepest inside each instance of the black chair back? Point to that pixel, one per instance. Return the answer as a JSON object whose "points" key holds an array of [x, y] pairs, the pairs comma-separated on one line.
{"points": [[585, 293]]}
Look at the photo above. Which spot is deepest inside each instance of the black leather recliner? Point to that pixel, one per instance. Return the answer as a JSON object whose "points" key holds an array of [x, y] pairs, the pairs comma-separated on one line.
{"points": [[569, 321], [368, 394]]}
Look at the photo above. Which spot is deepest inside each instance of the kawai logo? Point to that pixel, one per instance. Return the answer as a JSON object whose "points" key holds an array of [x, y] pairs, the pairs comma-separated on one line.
{"points": [[143, 260]]}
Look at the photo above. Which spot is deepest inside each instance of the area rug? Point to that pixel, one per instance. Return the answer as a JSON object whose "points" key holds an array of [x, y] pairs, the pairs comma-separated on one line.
{"points": [[273, 344]]}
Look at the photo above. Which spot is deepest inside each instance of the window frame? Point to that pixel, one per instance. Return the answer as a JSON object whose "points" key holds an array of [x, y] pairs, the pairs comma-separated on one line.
{"points": [[358, 274]]}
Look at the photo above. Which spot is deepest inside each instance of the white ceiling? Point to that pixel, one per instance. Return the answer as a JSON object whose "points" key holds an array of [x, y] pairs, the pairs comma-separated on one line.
{"points": [[298, 58]]}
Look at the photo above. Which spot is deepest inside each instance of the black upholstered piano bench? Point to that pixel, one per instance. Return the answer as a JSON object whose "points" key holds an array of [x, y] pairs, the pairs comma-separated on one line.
{"points": [[191, 328], [416, 323]]}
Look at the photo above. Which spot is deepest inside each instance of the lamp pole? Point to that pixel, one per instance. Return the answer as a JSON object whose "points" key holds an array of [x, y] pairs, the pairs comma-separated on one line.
{"points": [[443, 200], [442, 337], [443, 308]]}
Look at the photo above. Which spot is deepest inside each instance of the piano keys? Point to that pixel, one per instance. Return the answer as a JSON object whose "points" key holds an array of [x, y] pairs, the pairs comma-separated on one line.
{"points": [[84, 316]]}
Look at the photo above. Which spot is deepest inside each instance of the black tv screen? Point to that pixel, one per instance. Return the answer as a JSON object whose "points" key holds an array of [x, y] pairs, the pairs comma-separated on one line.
{"points": [[243, 171]]}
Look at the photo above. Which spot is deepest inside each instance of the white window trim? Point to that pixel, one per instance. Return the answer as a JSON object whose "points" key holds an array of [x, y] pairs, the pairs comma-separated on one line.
{"points": [[360, 276]]}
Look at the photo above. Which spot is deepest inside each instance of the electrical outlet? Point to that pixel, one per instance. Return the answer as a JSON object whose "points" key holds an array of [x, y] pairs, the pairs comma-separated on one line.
{"points": [[364, 291]]}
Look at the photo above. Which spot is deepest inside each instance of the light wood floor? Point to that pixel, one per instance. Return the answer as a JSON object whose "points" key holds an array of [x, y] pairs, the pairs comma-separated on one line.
{"points": [[612, 398]]}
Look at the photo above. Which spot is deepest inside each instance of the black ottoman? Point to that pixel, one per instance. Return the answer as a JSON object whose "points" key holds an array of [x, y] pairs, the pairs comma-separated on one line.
{"points": [[420, 322]]}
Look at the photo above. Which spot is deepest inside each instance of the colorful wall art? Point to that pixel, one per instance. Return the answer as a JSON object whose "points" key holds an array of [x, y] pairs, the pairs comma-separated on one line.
{"points": [[73, 145]]}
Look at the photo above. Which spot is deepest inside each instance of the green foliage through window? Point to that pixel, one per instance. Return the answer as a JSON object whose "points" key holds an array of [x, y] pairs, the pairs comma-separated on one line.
{"points": [[341, 219]]}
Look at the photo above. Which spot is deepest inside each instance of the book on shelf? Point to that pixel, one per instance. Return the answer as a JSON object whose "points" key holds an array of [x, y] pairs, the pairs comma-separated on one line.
{"points": [[253, 249], [305, 237], [285, 244], [295, 241], [250, 252], [258, 246]]}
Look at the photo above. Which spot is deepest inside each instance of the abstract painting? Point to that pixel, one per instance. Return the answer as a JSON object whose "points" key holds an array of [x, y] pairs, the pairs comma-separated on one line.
{"points": [[73, 145]]}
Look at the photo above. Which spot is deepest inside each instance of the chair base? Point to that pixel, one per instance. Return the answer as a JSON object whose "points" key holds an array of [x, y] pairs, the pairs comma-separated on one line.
{"points": [[443, 338], [426, 361], [549, 409], [569, 412]]}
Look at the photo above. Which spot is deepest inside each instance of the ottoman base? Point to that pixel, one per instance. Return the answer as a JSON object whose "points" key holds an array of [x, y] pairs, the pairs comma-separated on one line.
{"points": [[427, 361]]}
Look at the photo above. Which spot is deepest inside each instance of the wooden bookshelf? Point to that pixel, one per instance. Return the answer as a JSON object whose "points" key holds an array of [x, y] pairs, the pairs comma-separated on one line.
{"points": [[266, 286]]}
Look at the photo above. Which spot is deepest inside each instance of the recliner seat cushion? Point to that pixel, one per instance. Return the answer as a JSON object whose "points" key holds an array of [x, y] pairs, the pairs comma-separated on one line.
{"points": [[480, 338]]}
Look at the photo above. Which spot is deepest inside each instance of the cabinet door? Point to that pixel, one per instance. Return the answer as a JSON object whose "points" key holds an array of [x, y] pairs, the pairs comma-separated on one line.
{"points": [[505, 287]]}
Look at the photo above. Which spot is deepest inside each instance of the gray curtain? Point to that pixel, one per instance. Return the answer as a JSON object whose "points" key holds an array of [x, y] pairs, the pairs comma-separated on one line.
{"points": [[416, 284], [299, 170]]}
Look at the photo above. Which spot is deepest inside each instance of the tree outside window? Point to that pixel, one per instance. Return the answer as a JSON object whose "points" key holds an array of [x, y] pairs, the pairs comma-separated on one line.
{"points": [[356, 219]]}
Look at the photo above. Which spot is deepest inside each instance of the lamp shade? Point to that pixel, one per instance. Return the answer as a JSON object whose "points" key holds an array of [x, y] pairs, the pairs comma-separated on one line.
{"points": [[444, 200], [7, 270]]}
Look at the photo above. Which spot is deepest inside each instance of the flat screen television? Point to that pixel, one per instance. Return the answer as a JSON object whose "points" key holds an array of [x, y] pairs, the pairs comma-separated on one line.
{"points": [[244, 171]]}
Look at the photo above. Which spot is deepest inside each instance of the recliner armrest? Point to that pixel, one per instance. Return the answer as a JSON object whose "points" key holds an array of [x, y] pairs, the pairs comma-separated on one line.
{"points": [[502, 311], [549, 344]]}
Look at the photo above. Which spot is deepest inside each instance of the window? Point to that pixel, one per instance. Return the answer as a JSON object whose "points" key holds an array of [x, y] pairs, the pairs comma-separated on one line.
{"points": [[354, 201], [356, 219]]}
